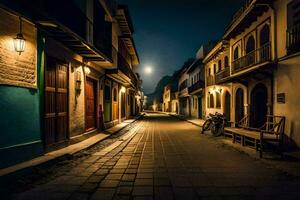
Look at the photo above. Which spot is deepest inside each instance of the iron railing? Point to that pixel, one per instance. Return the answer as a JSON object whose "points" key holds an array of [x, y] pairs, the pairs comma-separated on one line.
{"points": [[225, 73], [210, 80], [255, 57], [293, 39], [196, 86]]}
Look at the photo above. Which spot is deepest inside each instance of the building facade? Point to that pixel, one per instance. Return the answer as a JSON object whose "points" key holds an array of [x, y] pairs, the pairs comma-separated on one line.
{"points": [[251, 72], [55, 92]]}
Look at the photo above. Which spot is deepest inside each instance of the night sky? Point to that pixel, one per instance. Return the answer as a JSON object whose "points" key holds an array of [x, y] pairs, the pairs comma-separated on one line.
{"points": [[168, 32]]}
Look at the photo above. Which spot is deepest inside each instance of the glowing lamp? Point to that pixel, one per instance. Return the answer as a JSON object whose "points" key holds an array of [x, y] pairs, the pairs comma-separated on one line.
{"points": [[19, 41], [123, 89], [87, 70]]}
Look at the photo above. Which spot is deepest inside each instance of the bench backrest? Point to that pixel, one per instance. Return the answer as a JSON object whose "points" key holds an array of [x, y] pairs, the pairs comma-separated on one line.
{"points": [[274, 124]]}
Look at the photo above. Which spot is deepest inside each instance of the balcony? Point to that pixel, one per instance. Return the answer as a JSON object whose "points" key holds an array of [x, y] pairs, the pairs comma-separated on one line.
{"points": [[123, 73], [210, 80], [67, 23], [293, 39], [256, 57], [196, 87], [244, 17], [222, 75]]}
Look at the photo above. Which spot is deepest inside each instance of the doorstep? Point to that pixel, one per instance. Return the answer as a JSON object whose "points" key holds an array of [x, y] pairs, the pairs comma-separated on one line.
{"points": [[67, 151]]}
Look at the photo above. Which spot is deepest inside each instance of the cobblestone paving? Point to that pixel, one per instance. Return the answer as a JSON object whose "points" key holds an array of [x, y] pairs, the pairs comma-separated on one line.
{"points": [[168, 159]]}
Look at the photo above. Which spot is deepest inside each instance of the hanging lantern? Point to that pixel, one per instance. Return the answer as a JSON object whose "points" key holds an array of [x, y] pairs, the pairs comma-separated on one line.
{"points": [[19, 41]]}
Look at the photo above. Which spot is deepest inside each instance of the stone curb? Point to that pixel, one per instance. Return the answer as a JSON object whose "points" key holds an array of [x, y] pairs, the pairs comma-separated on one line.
{"points": [[181, 118]]}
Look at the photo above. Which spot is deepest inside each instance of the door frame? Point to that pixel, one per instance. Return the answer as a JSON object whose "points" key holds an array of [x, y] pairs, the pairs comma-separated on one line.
{"points": [[95, 101]]}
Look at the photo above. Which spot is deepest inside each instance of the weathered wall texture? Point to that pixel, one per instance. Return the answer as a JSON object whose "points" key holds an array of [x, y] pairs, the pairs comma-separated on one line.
{"points": [[15, 69]]}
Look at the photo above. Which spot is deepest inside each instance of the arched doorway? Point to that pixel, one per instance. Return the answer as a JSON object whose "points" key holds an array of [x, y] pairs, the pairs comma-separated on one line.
{"points": [[259, 109], [227, 107], [239, 105], [250, 47], [264, 41]]}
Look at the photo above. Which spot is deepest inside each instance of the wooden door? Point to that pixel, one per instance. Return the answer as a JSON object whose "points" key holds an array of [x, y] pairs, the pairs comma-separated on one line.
{"points": [[56, 102], [107, 102], [115, 104], [90, 102], [227, 106]]}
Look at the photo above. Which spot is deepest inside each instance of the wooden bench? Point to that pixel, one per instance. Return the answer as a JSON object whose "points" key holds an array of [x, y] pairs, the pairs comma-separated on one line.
{"points": [[271, 131]]}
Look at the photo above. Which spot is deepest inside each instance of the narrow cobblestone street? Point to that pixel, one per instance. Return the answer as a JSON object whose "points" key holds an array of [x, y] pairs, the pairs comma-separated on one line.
{"points": [[164, 158]]}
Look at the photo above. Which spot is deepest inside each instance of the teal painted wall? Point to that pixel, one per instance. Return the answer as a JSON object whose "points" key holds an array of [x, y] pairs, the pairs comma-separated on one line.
{"points": [[21, 112], [19, 116]]}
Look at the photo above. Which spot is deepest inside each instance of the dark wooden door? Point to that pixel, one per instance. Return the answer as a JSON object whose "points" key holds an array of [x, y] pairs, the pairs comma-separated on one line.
{"points": [[56, 102], [90, 111], [259, 109], [239, 105], [227, 110]]}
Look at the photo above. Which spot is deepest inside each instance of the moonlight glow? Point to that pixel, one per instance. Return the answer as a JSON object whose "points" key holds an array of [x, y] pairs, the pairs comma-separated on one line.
{"points": [[148, 70]]}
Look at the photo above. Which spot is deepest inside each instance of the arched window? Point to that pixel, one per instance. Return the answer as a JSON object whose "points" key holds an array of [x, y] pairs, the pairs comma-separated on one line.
{"points": [[250, 46], [265, 52], [236, 53], [226, 62], [115, 94], [264, 35], [218, 99], [219, 65]]}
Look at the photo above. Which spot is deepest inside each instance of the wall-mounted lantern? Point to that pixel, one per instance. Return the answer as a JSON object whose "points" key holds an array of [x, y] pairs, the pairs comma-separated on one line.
{"points": [[123, 89], [19, 40], [87, 70], [77, 80]]}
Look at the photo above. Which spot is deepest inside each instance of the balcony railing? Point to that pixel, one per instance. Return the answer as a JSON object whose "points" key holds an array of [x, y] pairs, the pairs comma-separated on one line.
{"points": [[210, 80], [221, 75], [125, 68], [198, 85], [293, 39], [255, 57]]}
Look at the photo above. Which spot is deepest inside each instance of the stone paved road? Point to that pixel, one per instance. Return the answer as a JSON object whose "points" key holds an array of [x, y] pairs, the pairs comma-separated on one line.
{"points": [[168, 159]]}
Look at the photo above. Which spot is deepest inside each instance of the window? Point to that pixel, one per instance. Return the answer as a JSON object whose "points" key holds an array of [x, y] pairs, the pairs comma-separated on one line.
{"points": [[209, 71], [236, 53], [219, 65], [218, 98], [226, 61], [211, 100], [215, 68]]}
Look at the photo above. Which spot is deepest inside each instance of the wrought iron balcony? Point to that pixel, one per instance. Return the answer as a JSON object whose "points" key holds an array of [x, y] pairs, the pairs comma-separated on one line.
{"points": [[222, 75], [293, 39], [210, 80], [198, 85], [258, 56]]}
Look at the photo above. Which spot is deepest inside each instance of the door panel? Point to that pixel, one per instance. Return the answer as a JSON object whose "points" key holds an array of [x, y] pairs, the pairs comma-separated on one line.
{"points": [[56, 102], [90, 112]]}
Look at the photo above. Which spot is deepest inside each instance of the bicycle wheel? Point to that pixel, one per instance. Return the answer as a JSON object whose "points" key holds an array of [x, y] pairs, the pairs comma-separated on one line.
{"points": [[206, 126]]}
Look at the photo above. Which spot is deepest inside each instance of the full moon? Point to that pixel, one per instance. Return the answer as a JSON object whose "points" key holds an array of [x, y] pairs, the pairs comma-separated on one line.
{"points": [[148, 69]]}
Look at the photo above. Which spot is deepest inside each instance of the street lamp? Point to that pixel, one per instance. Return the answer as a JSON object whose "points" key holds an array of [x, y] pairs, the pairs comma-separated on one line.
{"points": [[19, 40]]}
